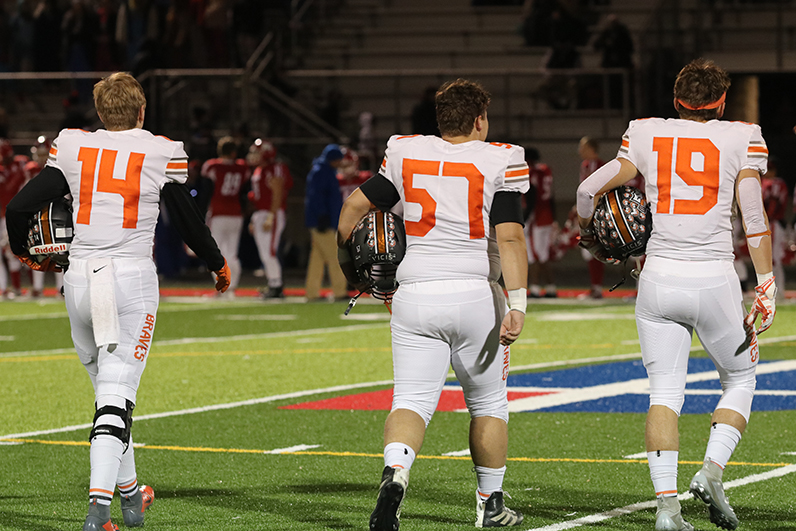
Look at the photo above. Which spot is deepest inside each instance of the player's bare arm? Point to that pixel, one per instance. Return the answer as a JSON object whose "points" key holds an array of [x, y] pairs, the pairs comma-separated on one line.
{"points": [[748, 190], [607, 177], [514, 263]]}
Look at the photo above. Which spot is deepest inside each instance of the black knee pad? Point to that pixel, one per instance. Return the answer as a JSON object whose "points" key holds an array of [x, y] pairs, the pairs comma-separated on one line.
{"points": [[123, 434]]}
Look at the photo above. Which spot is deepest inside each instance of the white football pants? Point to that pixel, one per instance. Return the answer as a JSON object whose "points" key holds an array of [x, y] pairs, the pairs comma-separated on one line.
{"points": [[436, 325], [226, 232], [678, 297], [268, 244]]}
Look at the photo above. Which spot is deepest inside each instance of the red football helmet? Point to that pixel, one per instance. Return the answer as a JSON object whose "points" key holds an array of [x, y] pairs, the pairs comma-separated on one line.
{"points": [[350, 164], [261, 152]]}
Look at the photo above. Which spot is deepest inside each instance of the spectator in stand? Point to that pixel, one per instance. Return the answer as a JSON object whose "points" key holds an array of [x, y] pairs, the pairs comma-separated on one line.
{"points": [[107, 55], [589, 151], [270, 184], [775, 199], [349, 176], [322, 205], [424, 114], [216, 30], [230, 177], [540, 216], [79, 30], [23, 35], [47, 19], [616, 44]]}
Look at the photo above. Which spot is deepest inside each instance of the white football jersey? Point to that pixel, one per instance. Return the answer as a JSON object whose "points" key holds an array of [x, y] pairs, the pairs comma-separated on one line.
{"points": [[115, 178], [690, 170], [446, 193]]}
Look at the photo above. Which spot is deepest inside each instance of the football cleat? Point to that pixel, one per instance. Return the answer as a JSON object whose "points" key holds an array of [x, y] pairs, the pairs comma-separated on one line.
{"points": [[99, 518], [669, 518], [708, 488], [133, 507], [492, 512], [391, 495]]}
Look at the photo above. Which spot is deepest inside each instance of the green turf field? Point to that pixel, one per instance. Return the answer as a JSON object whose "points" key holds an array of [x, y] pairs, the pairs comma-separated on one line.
{"points": [[208, 422]]}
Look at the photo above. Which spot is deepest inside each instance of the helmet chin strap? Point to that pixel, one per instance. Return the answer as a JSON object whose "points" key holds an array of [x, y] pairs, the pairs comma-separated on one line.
{"points": [[634, 273], [352, 302]]}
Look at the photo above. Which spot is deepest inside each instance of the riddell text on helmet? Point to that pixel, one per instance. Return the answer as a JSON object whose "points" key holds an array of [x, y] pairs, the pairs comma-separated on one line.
{"points": [[52, 248]]}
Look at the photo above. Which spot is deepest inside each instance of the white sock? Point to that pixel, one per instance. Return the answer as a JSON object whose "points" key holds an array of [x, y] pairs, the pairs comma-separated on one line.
{"points": [[399, 455], [127, 481], [489, 480], [106, 457], [723, 440], [663, 471]]}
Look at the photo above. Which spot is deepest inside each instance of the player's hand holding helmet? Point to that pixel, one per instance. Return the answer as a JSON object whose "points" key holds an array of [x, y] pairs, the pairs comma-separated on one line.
{"points": [[223, 278], [371, 255], [622, 224], [588, 240], [764, 306], [50, 233]]}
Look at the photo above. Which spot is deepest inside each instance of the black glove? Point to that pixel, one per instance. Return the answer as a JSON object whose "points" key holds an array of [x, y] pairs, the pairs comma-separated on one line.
{"points": [[589, 241], [349, 270], [323, 223]]}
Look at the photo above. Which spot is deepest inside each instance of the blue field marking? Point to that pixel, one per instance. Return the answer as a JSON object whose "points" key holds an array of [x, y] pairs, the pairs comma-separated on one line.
{"points": [[620, 387]]}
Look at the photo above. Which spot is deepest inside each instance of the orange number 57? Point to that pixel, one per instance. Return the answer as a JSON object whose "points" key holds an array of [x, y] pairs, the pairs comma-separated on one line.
{"points": [[428, 215], [708, 177], [129, 187]]}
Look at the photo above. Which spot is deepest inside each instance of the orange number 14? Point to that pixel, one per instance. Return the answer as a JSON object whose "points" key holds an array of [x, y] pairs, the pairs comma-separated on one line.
{"points": [[129, 187]]}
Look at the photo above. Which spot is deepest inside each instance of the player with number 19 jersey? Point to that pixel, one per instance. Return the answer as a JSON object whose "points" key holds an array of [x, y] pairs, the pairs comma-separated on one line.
{"points": [[116, 178], [690, 169], [441, 223]]}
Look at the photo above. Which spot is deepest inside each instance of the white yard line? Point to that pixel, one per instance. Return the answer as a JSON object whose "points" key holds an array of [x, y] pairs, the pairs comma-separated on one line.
{"points": [[293, 449], [628, 509], [218, 339]]}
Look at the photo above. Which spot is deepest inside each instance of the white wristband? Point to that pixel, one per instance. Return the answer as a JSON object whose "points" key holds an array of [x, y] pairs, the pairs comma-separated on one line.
{"points": [[518, 299], [763, 277]]}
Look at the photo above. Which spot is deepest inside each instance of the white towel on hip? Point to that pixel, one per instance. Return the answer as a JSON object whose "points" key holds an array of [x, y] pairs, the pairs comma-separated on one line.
{"points": [[102, 293]]}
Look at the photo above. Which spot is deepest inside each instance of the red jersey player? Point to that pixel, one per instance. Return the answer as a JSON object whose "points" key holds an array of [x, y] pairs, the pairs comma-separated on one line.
{"points": [[12, 178], [775, 199], [540, 208], [230, 177], [270, 184], [350, 177]]}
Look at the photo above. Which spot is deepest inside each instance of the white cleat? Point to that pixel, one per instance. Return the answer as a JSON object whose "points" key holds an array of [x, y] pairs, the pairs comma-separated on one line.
{"points": [[669, 518], [708, 487]]}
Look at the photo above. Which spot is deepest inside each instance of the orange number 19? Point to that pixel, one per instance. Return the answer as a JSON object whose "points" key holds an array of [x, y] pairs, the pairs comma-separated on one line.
{"points": [[708, 178], [129, 187]]}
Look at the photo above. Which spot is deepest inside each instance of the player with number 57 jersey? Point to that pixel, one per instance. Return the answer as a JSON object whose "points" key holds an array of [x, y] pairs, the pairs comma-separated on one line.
{"points": [[447, 192]]}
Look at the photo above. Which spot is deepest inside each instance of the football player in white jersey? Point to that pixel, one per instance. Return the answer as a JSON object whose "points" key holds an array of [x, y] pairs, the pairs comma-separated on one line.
{"points": [[461, 199], [695, 168], [117, 177]]}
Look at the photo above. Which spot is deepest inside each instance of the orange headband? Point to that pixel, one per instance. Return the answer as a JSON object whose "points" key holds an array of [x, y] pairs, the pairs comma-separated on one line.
{"points": [[714, 105]]}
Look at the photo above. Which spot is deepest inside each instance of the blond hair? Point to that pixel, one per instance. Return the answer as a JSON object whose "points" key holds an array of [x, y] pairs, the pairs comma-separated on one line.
{"points": [[118, 99]]}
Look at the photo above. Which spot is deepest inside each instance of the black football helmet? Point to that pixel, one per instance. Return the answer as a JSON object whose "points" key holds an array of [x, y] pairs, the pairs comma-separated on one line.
{"points": [[378, 245], [50, 232], [623, 222]]}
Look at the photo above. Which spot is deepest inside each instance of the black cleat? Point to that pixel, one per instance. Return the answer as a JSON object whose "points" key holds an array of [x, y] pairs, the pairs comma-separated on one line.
{"points": [[391, 495]]}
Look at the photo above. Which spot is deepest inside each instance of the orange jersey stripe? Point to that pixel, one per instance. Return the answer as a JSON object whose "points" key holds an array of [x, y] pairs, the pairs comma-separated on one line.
{"points": [[177, 166], [625, 143], [518, 173], [53, 152], [757, 149], [406, 136]]}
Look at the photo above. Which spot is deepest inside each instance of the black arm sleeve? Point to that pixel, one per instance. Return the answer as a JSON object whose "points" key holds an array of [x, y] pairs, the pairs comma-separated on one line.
{"points": [[380, 192], [506, 208], [188, 221], [48, 185]]}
